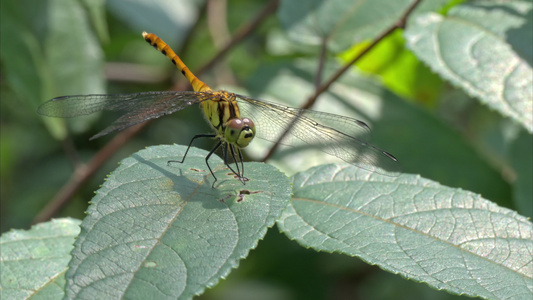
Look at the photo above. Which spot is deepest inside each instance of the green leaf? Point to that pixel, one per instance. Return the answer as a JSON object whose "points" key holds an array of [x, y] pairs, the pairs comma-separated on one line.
{"points": [[97, 14], [73, 53], [49, 51], [398, 68], [161, 231], [342, 23], [170, 20], [450, 239], [486, 48], [23, 66], [33, 262]]}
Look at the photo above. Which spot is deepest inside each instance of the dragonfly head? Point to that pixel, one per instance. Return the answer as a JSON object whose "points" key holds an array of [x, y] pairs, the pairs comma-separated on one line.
{"points": [[239, 132]]}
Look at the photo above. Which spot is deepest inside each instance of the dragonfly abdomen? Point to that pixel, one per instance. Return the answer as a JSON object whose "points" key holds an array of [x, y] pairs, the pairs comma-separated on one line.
{"points": [[161, 46]]}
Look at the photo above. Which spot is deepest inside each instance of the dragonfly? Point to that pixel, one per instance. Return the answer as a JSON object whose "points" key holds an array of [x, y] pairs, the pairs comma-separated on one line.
{"points": [[235, 119]]}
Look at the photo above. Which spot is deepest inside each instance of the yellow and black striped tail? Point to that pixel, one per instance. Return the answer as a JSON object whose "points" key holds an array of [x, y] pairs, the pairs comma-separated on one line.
{"points": [[159, 44]]}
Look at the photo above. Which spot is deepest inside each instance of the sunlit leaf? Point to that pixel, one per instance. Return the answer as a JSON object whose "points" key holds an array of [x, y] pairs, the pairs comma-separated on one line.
{"points": [[398, 68], [486, 48], [161, 231], [449, 238]]}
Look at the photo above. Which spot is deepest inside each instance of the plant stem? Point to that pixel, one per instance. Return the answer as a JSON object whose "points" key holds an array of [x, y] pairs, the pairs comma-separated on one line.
{"points": [[322, 88]]}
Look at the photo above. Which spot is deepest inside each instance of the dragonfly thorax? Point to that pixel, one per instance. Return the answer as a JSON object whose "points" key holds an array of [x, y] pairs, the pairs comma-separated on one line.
{"points": [[239, 132]]}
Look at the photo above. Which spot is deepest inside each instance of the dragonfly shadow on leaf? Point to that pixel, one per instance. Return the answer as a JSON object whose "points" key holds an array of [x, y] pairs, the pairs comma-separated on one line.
{"points": [[179, 182]]}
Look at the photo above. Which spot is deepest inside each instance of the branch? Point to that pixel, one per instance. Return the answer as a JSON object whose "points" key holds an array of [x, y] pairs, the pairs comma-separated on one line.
{"points": [[321, 63], [240, 34], [82, 173], [311, 100]]}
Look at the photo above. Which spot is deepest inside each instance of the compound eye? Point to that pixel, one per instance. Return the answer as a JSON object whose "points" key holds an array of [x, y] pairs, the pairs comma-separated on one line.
{"points": [[233, 130], [235, 124], [239, 132], [249, 123]]}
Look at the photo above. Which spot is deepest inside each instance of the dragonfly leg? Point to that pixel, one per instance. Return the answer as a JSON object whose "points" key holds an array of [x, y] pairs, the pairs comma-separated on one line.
{"points": [[232, 151], [242, 164], [190, 144], [207, 162], [225, 154], [241, 176], [235, 159]]}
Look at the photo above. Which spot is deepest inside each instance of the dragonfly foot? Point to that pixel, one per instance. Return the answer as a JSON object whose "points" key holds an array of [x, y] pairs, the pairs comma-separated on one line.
{"points": [[243, 179], [174, 161]]}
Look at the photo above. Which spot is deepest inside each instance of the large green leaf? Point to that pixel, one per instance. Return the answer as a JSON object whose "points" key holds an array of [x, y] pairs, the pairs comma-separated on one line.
{"points": [[486, 48], [342, 23], [448, 238], [33, 262], [162, 232]]}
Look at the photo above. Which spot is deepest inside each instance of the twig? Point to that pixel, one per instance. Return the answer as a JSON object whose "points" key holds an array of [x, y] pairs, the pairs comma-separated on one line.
{"points": [[321, 63], [220, 35], [240, 34], [311, 100], [83, 172]]}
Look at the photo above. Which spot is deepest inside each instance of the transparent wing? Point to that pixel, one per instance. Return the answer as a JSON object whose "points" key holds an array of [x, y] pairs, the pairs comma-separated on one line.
{"points": [[134, 108], [343, 137]]}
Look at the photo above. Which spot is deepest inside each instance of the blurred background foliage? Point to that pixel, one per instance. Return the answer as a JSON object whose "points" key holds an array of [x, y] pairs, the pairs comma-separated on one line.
{"points": [[51, 48]]}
